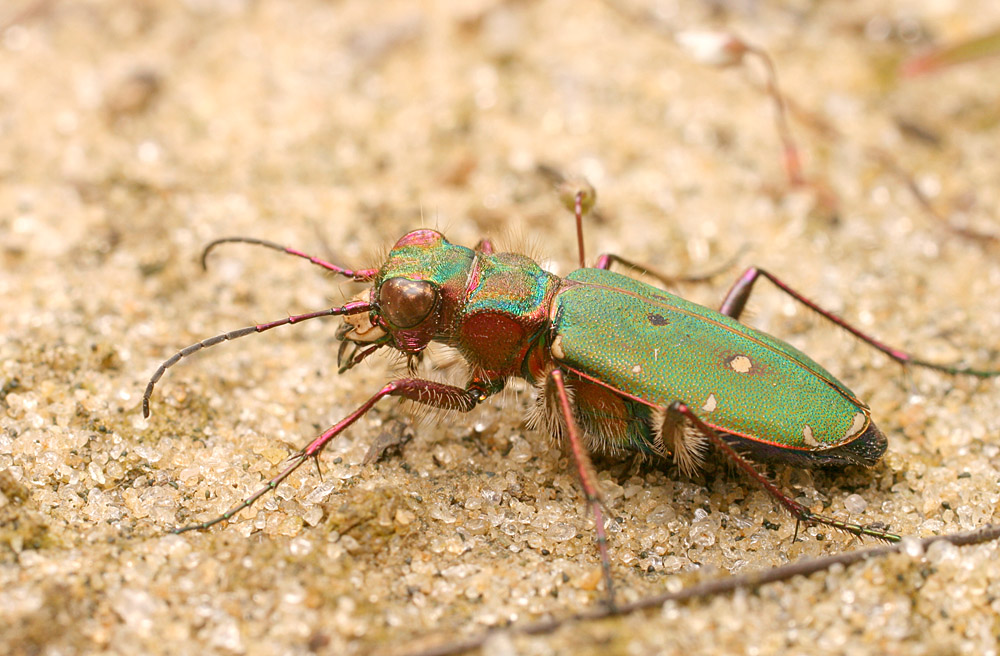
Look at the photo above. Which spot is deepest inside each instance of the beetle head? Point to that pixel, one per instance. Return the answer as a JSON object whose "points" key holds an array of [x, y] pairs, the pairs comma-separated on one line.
{"points": [[415, 296]]}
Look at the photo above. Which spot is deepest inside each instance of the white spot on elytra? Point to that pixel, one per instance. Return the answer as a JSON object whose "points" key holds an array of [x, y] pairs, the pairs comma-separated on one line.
{"points": [[556, 348], [741, 363], [856, 425], [710, 403], [807, 435], [637, 369]]}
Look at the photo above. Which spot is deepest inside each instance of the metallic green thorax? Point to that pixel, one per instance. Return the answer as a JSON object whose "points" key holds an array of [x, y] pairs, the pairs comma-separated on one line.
{"points": [[658, 348]]}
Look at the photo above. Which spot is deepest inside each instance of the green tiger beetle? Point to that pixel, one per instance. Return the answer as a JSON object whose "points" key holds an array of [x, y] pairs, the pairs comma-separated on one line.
{"points": [[617, 364]]}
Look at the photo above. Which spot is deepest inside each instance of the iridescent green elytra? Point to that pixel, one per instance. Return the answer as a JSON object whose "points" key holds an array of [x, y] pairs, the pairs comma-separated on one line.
{"points": [[657, 348]]}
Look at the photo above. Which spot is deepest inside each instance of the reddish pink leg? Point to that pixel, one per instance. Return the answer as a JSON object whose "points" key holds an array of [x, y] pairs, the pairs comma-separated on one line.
{"points": [[606, 261], [797, 510], [427, 392], [485, 246], [359, 274], [588, 480], [354, 307], [737, 298]]}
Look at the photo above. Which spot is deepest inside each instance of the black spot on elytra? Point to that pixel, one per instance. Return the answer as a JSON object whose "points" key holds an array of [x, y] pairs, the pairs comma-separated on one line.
{"points": [[657, 320]]}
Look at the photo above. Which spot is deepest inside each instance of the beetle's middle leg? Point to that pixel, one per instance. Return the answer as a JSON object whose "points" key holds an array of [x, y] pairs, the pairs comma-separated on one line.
{"points": [[588, 479], [606, 261], [797, 510], [737, 297]]}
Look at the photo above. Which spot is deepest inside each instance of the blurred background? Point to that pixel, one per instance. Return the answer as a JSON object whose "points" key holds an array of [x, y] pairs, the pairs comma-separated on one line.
{"points": [[132, 133]]}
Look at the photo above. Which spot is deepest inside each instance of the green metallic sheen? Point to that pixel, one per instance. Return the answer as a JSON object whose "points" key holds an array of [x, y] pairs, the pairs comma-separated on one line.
{"points": [[508, 283], [427, 255], [660, 348]]}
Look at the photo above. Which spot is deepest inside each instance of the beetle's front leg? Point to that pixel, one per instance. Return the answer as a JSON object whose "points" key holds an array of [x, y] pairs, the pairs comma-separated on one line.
{"points": [[739, 294], [797, 510], [437, 395]]}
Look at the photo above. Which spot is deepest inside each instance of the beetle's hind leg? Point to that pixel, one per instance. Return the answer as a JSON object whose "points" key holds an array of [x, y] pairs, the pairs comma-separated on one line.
{"points": [[798, 511], [739, 294]]}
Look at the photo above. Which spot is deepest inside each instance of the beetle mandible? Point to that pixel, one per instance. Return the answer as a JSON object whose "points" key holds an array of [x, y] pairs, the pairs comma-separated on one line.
{"points": [[584, 342]]}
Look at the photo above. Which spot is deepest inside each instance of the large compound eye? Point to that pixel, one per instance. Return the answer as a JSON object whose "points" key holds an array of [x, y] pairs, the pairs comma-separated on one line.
{"points": [[405, 303]]}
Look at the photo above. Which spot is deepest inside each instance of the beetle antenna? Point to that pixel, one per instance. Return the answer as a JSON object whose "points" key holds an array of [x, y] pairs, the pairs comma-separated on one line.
{"points": [[360, 275], [354, 307]]}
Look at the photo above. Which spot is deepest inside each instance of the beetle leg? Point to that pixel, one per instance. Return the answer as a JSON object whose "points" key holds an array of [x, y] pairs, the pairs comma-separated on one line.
{"points": [[606, 261], [738, 295], [438, 395], [485, 246], [797, 510], [588, 479]]}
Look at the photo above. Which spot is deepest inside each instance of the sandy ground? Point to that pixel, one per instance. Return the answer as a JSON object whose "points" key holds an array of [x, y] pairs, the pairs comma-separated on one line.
{"points": [[135, 132]]}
